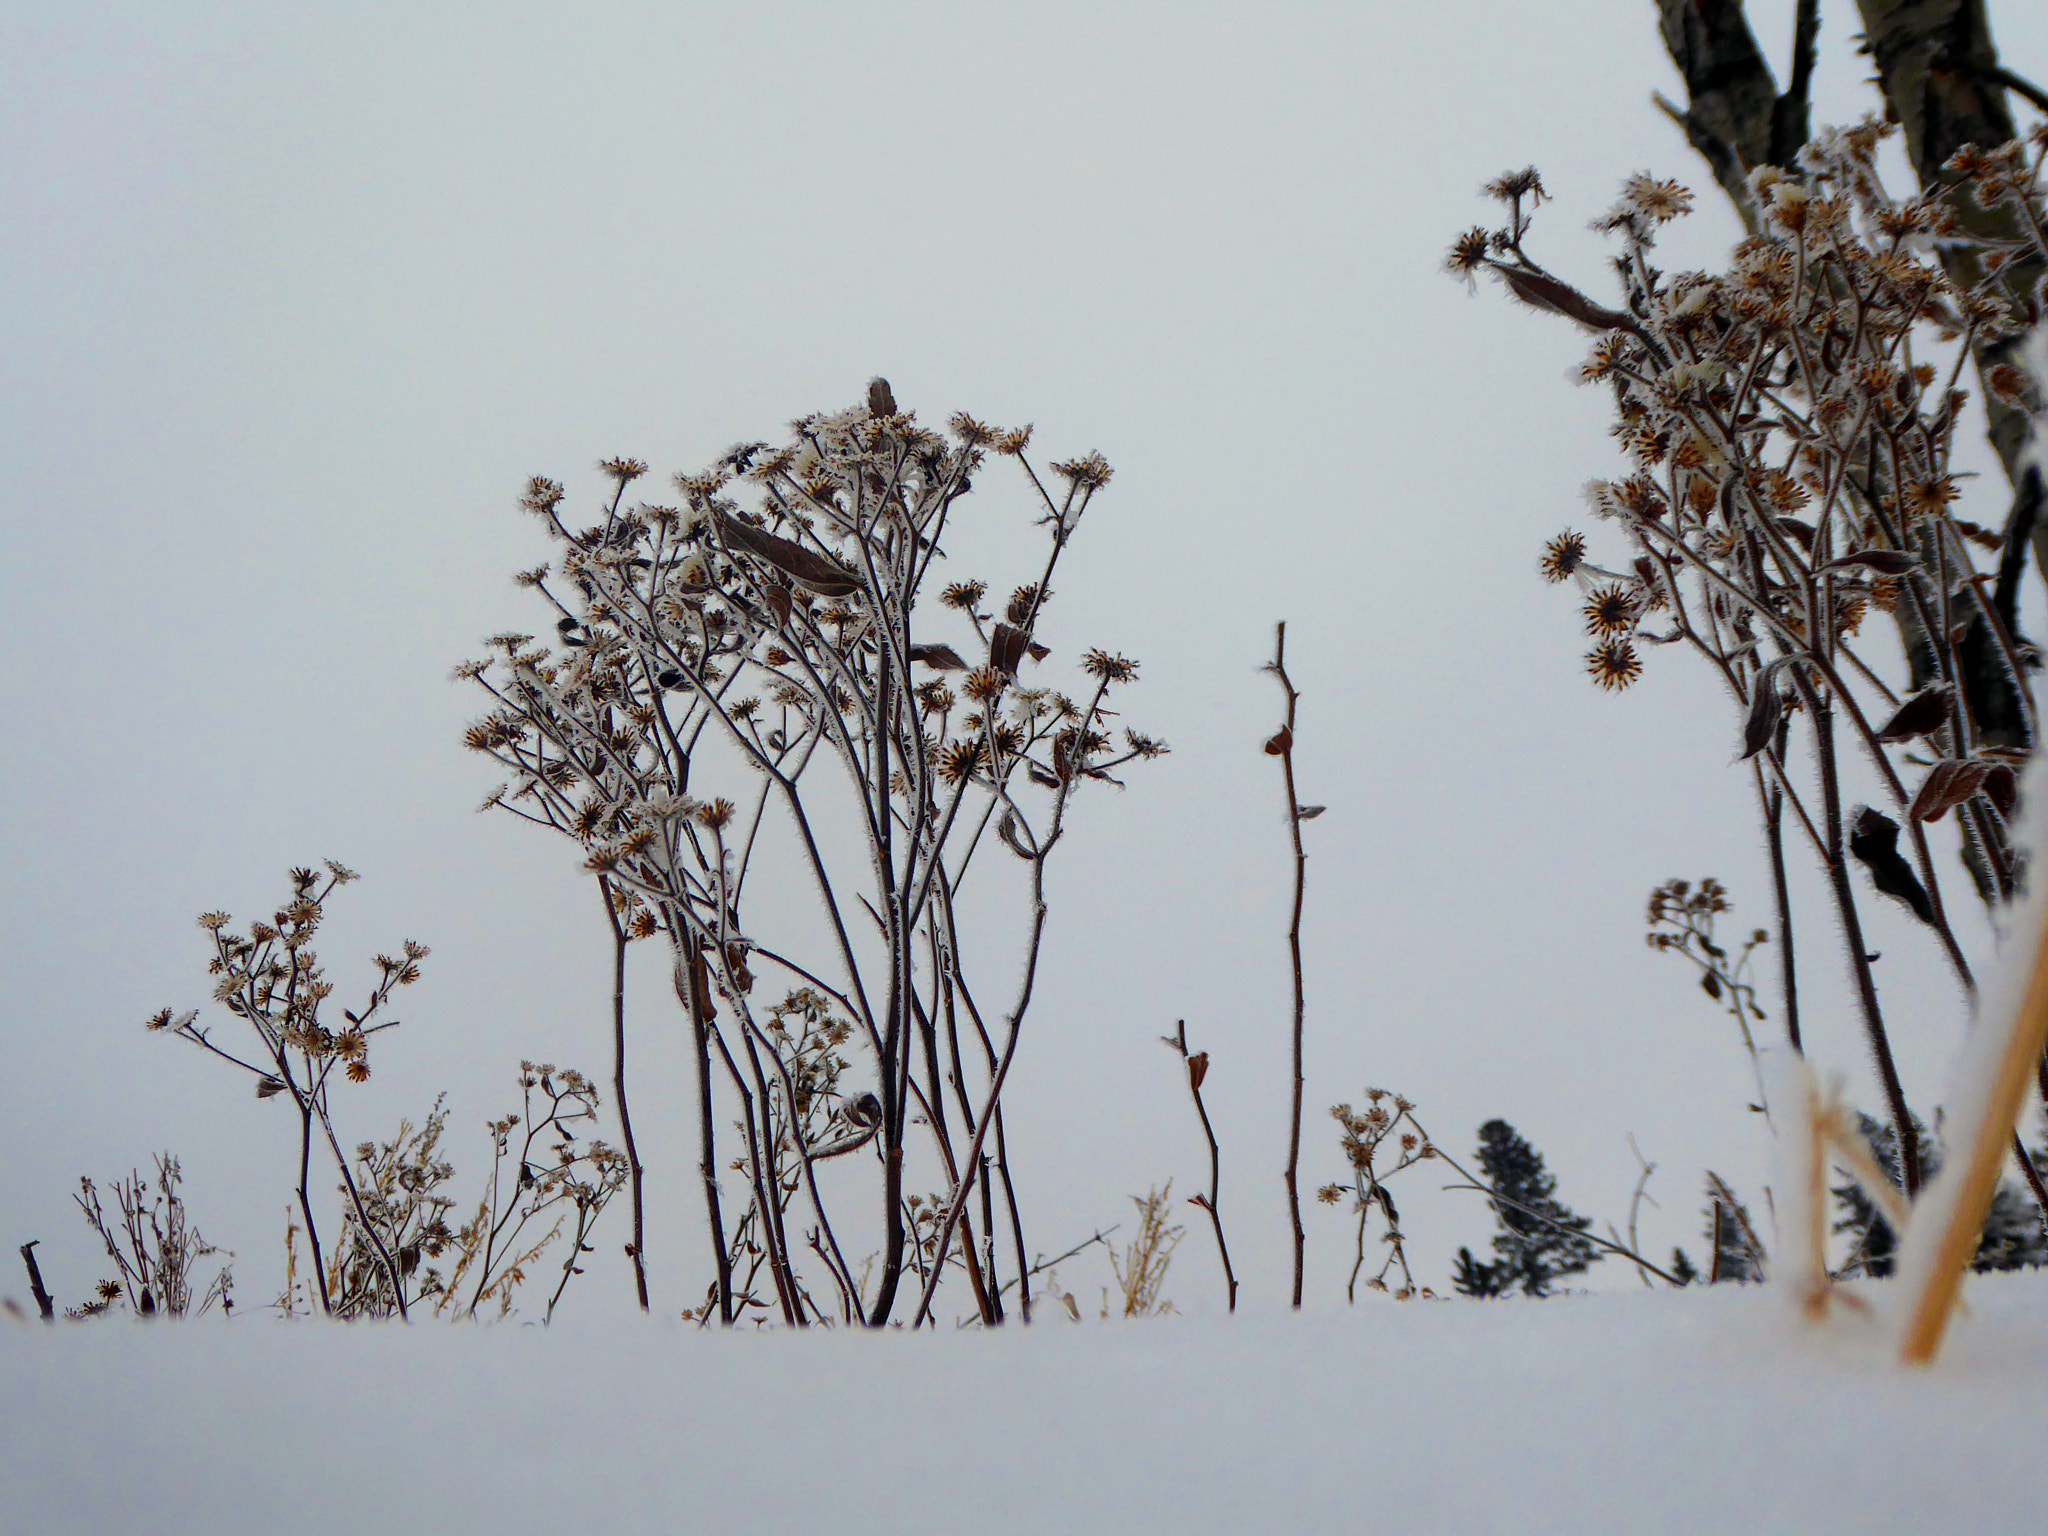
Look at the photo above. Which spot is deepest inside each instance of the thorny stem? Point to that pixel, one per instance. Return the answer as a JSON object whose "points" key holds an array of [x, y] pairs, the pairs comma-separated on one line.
{"points": [[638, 1251], [1285, 752]]}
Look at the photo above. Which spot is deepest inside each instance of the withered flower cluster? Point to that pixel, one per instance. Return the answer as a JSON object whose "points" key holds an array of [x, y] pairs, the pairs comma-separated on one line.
{"points": [[1790, 424], [772, 619]]}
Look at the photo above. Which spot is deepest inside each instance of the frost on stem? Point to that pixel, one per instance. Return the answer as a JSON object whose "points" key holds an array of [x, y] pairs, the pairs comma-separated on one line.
{"points": [[770, 633]]}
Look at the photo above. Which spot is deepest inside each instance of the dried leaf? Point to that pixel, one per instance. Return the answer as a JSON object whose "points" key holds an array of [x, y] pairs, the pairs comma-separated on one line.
{"points": [[1885, 562], [806, 567], [2002, 788], [1948, 783], [1279, 742], [1543, 291], [943, 658], [1006, 648], [1309, 812], [1925, 711], [881, 402], [1198, 1069], [1711, 985], [1766, 709], [1874, 843], [269, 1087], [777, 596]]}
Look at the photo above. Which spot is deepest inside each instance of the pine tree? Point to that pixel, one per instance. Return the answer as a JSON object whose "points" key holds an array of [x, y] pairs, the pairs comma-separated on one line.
{"points": [[2013, 1238], [1540, 1240], [1731, 1238]]}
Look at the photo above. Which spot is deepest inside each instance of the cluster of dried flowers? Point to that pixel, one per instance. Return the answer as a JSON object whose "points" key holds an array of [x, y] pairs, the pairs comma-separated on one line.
{"points": [[1791, 425], [393, 1208], [785, 634]]}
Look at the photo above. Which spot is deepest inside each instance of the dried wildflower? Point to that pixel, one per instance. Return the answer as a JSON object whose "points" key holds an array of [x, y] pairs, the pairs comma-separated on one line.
{"points": [[358, 1071], [1111, 669], [1562, 556], [1658, 200], [1089, 472], [968, 430], [1610, 610], [1928, 498], [1613, 664], [984, 684], [964, 595], [1467, 255], [1014, 441], [541, 495], [715, 814], [961, 759], [1511, 186], [623, 470]]}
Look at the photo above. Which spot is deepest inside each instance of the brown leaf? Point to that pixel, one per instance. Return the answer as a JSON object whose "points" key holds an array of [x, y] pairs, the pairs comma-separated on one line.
{"points": [[777, 596], [2002, 789], [1800, 533], [881, 402], [1543, 291], [1710, 984], [1007, 648], [1279, 742], [941, 657], [806, 567], [1949, 783], [1766, 709], [1885, 562], [1037, 652], [1925, 711], [1198, 1068]]}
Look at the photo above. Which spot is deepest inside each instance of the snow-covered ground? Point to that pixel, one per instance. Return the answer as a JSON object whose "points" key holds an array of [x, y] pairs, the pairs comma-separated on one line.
{"points": [[1708, 1410]]}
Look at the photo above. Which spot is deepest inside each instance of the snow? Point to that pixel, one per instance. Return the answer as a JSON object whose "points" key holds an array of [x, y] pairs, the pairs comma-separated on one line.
{"points": [[1704, 1410]]}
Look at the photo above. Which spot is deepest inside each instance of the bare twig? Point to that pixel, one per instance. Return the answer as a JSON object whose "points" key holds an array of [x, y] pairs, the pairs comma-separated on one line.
{"points": [[1197, 1069], [44, 1305]]}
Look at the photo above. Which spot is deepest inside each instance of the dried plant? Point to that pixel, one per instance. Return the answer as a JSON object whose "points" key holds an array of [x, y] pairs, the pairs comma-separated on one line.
{"points": [[1197, 1066], [154, 1246], [1681, 922], [785, 636], [1791, 424], [1281, 745], [1387, 1124], [270, 978], [555, 1174], [1141, 1270]]}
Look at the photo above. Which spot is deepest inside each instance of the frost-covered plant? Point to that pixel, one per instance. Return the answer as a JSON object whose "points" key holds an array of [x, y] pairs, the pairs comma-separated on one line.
{"points": [[788, 633], [154, 1246], [1385, 1126], [1791, 423], [1680, 919], [270, 978]]}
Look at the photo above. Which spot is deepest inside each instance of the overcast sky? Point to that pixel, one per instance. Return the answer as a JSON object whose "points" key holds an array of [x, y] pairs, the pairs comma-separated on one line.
{"points": [[295, 297]]}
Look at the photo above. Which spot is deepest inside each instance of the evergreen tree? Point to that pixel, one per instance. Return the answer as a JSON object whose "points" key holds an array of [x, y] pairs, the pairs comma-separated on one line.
{"points": [[1731, 1238], [2012, 1238], [1469, 1277], [1540, 1240]]}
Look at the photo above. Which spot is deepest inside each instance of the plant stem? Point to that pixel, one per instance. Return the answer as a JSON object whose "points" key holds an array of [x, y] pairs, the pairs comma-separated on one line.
{"points": [[1285, 752], [1211, 1205], [639, 1248]]}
